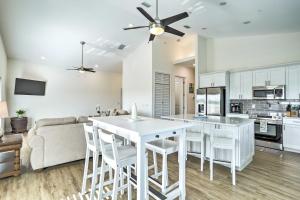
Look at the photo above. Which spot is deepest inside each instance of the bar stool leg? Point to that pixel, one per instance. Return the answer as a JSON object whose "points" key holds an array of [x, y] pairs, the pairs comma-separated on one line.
{"points": [[211, 163], [129, 195], [155, 163], [164, 181], [233, 164], [116, 184], [202, 154], [101, 182], [146, 184], [121, 180], [95, 175], [85, 171]]}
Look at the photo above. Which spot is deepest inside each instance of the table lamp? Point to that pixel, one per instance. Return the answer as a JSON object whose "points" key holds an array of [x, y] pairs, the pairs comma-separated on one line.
{"points": [[3, 114]]}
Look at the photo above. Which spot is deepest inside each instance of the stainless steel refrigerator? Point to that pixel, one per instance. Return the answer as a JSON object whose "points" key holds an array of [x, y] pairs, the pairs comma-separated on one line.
{"points": [[211, 101]]}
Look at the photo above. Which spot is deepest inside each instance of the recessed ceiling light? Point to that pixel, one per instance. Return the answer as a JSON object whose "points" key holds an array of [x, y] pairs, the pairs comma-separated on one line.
{"points": [[204, 28], [43, 58], [187, 26], [246, 22], [146, 4], [223, 3]]}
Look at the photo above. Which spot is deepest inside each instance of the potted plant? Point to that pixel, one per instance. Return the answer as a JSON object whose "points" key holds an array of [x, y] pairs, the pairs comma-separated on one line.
{"points": [[19, 123], [20, 113]]}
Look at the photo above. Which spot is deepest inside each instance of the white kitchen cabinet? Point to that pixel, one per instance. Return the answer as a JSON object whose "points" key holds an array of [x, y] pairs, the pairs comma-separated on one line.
{"points": [[241, 85], [213, 80], [234, 86], [277, 76], [206, 80], [293, 82], [291, 135], [271, 76], [246, 85]]}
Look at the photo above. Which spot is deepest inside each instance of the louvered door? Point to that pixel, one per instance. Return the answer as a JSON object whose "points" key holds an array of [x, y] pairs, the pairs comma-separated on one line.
{"points": [[161, 95]]}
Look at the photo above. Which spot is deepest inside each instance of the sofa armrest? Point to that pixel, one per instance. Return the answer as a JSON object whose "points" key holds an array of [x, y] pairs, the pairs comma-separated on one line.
{"points": [[36, 143]]}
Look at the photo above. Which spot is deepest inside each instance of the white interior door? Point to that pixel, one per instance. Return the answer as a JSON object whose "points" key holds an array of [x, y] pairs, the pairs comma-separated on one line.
{"points": [[179, 95]]}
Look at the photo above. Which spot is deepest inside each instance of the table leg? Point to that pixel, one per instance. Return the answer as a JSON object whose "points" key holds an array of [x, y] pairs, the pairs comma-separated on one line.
{"points": [[181, 159], [141, 166]]}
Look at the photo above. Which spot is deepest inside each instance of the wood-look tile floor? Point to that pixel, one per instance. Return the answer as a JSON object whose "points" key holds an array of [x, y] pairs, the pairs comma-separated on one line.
{"points": [[270, 176]]}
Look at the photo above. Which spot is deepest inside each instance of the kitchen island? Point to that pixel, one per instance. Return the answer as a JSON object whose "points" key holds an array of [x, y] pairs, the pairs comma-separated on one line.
{"points": [[244, 128]]}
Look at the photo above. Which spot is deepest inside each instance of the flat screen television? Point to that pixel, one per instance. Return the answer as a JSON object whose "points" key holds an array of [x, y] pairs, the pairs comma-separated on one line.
{"points": [[30, 87]]}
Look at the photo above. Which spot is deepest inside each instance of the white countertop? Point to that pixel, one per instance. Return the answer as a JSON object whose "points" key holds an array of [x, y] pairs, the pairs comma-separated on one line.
{"points": [[231, 121], [144, 126]]}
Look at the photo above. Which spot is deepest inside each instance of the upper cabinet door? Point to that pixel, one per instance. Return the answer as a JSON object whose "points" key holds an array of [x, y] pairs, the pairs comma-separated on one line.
{"points": [[206, 80], [277, 76], [260, 77], [219, 79], [246, 85], [293, 82], [235, 85]]}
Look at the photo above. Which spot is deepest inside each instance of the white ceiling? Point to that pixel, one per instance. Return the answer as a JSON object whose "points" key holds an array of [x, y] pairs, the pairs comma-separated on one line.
{"points": [[53, 28]]}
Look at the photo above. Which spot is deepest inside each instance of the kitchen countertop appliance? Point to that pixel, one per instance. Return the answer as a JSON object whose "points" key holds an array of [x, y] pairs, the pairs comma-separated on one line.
{"points": [[236, 108], [211, 101]]}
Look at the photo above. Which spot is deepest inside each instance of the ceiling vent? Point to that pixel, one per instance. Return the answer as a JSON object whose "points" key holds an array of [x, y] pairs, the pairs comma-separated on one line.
{"points": [[146, 4], [121, 46], [187, 26]]}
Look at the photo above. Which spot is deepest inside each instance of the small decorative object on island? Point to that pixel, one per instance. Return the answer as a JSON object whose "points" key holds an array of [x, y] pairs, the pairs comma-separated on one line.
{"points": [[19, 123], [134, 111], [3, 114]]}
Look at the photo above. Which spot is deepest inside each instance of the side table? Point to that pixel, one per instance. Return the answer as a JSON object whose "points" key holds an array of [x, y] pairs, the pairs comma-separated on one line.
{"points": [[10, 146]]}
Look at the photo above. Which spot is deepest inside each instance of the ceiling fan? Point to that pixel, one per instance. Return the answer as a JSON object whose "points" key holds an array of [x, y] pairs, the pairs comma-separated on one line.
{"points": [[157, 26], [82, 69]]}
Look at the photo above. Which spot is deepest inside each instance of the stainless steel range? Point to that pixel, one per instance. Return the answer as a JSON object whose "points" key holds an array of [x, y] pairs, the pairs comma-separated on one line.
{"points": [[268, 131]]}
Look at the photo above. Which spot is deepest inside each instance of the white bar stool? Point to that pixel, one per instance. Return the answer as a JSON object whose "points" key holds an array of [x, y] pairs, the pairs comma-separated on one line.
{"points": [[92, 149], [196, 134], [222, 139], [164, 147], [118, 158]]}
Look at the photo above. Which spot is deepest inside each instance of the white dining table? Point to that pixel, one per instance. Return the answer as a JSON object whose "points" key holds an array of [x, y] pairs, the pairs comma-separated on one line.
{"points": [[140, 132]]}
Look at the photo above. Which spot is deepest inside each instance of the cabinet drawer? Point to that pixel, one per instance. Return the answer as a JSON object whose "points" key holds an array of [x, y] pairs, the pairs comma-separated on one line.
{"points": [[7, 156], [6, 167]]}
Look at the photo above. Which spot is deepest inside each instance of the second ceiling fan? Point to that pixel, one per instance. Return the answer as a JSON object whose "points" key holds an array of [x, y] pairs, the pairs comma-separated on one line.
{"points": [[158, 26]]}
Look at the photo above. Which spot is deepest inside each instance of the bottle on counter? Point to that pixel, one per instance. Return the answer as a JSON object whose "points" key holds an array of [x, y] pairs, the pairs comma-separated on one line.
{"points": [[288, 110]]}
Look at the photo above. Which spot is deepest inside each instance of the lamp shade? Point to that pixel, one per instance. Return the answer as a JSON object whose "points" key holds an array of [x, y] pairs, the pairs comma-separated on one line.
{"points": [[3, 109]]}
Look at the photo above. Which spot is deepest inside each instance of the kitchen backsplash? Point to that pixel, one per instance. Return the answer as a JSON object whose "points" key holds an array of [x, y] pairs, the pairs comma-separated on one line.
{"points": [[265, 106]]}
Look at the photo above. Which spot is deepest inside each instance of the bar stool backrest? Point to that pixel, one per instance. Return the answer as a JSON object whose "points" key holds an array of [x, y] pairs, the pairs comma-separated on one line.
{"points": [[108, 146], [91, 137]]}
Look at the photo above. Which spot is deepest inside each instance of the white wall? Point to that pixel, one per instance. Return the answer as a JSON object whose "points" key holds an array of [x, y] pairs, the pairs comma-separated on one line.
{"points": [[250, 52], [3, 69], [137, 79], [68, 93]]}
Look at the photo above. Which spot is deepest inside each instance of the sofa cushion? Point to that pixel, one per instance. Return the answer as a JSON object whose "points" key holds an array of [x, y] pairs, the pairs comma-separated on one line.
{"points": [[55, 121], [83, 119]]}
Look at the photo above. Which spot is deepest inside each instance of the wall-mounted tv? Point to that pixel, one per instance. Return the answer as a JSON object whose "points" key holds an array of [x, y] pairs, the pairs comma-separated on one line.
{"points": [[30, 87]]}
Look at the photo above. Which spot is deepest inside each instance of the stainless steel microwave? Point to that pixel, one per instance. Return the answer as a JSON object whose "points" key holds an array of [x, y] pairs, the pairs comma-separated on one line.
{"points": [[269, 92]]}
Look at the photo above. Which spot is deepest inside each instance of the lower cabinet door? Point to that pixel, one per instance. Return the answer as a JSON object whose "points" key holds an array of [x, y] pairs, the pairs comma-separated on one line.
{"points": [[291, 137]]}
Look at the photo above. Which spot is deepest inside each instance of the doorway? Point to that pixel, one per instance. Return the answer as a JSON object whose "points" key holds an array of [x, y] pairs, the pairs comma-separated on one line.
{"points": [[179, 95]]}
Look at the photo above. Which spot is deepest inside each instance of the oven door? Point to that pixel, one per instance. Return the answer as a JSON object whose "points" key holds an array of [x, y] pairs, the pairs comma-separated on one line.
{"points": [[274, 132]]}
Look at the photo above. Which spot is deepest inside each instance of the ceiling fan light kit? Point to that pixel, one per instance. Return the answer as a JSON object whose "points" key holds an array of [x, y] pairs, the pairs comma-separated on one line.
{"points": [[157, 26]]}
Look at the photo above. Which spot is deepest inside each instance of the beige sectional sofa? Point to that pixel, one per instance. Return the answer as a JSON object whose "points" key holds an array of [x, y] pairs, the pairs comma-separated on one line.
{"points": [[55, 141]]}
